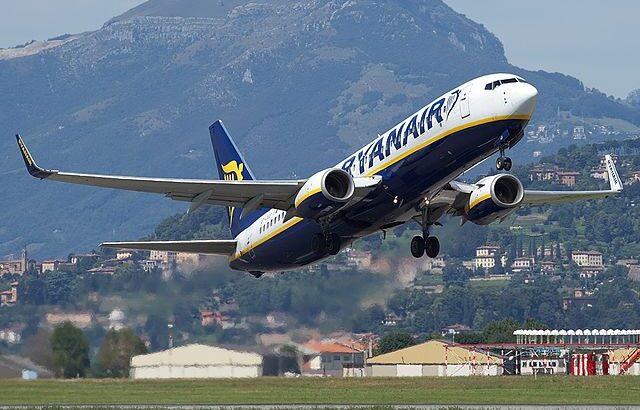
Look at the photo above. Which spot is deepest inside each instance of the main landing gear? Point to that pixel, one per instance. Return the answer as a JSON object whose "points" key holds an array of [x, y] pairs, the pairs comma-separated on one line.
{"points": [[329, 243], [420, 246], [425, 243], [503, 162]]}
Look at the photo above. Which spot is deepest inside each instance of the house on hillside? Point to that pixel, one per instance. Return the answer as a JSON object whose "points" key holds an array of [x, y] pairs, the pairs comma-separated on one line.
{"points": [[9, 297], [587, 258]]}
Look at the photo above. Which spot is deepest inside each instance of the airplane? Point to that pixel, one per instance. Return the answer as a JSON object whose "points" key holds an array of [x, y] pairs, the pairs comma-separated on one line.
{"points": [[408, 173]]}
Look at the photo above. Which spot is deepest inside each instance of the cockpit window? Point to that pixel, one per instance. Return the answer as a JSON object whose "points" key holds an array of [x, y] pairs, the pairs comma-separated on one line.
{"points": [[522, 80], [497, 83]]}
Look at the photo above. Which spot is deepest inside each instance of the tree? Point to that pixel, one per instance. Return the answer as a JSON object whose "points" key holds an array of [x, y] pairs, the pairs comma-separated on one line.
{"points": [[501, 331], [395, 341], [116, 351], [60, 286], [32, 290], [70, 351]]}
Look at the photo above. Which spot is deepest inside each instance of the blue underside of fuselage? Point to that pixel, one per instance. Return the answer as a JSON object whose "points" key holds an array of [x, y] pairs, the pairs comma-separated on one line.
{"points": [[407, 181]]}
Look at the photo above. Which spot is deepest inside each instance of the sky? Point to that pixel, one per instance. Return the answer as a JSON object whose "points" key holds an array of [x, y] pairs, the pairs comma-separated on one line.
{"points": [[583, 38], [25, 20], [595, 41]]}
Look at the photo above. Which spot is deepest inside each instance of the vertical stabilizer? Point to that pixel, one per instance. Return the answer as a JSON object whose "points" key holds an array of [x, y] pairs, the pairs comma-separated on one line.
{"points": [[231, 167]]}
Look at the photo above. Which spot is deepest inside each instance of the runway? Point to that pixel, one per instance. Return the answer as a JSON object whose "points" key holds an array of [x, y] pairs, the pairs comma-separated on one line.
{"points": [[329, 407]]}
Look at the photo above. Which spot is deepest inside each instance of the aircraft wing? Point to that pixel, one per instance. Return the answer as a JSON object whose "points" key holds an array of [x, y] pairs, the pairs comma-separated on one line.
{"points": [[248, 195], [210, 247], [554, 197], [270, 194], [456, 195]]}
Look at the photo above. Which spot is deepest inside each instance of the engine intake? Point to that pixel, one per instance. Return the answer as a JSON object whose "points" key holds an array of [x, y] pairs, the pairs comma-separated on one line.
{"points": [[324, 193], [496, 197]]}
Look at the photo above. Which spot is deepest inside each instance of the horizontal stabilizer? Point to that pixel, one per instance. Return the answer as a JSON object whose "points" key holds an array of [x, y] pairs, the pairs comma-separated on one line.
{"points": [[209, 247]]}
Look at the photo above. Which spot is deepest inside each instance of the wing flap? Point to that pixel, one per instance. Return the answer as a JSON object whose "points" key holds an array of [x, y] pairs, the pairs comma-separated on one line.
{"points": [[205, 247]]}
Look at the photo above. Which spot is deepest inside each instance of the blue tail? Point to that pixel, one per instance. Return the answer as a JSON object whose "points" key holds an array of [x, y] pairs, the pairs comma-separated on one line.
{"points": [[231, 166]]}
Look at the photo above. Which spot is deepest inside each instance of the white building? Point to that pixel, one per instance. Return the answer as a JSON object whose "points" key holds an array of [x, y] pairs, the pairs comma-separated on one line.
{"points": [[196, 362], [587, 258], [487, 250], [523, 264], [164, 257], [117, 319], [485, 262]]}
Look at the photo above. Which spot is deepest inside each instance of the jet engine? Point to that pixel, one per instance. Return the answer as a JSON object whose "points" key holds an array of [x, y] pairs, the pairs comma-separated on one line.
{"points": [[496, 197], [324, 193]]}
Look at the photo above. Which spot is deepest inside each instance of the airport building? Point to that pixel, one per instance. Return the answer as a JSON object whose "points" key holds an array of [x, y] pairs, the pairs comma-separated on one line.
{"points": [[435, 358], [196, 361]]}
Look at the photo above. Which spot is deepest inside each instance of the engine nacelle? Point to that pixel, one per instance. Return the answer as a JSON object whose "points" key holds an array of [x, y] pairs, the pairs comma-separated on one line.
{"points": [[324, 193], [496, 197]]}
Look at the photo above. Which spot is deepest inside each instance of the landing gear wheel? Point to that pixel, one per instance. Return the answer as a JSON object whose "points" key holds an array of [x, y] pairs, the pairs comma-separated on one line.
{"points": [[333, 244], [432, 246], [417, 246], [506, 164], [319, 244], [500, 163]]}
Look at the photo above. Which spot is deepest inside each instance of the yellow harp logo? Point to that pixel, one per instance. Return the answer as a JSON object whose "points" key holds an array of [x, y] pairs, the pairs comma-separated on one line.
{"points": [[232, 172]]}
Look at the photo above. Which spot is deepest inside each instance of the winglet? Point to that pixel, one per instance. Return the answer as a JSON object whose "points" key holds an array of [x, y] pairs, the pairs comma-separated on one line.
{"points": [[32, 167], [614, 179]]}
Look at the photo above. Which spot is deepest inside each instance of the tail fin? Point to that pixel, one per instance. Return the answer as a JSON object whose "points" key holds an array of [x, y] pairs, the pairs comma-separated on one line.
{"points": [[231, 167]]}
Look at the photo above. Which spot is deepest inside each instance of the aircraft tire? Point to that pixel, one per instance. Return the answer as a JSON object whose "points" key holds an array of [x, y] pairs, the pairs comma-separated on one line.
{"points": [[319, 244], [333, 244], [432, 246], [507, 164], [417, 246]]}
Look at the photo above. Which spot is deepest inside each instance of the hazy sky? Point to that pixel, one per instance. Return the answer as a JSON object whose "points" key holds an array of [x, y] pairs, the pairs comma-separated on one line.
{"points": [[26, 20], [584, 38], [592, 40]]}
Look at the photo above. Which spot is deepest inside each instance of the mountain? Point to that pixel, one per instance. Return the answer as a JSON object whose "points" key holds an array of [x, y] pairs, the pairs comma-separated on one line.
{"points": [[298, 83]]}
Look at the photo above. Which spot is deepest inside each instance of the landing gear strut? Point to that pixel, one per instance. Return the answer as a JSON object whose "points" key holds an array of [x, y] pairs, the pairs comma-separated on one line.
{"points": [[503, 162], [329, 243], [425, 243]]}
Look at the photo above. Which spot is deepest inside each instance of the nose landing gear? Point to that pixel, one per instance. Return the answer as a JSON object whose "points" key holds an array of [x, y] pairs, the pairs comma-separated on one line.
{"points": [[425, 243], [503, 162]]}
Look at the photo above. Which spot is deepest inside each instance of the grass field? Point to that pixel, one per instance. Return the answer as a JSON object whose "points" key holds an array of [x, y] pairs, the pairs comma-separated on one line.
{"points": [[375, 391]]}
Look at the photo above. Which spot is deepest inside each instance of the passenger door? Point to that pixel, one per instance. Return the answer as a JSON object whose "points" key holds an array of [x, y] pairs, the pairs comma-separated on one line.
{"points": [[464, 102]]}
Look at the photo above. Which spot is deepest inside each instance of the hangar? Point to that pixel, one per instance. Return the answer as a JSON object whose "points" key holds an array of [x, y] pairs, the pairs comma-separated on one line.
{"points": [[434, 358], [196, 361]]}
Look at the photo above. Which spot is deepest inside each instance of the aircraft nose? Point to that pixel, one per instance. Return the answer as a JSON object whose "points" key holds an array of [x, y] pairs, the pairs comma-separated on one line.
{"points": [[524, 98]]}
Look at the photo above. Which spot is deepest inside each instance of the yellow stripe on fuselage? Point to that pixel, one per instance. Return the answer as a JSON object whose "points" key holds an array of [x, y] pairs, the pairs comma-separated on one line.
{"points": [[259, 242], [426, 143], [307, 195], [442, 135]]}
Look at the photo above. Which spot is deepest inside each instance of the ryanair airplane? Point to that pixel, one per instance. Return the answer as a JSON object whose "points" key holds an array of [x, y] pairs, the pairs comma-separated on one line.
{"points": [[406, 174]]}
